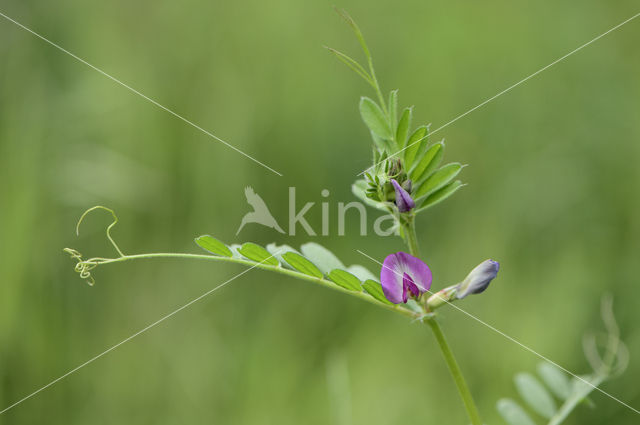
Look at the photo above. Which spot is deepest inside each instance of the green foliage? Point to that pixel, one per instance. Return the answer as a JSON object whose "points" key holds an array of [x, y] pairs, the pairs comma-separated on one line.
{"points": [[570, 390], [555, 379], [440, 195], [535, 395], [512, 413], [345, 279], [374, 289], [213, 245], [258, 254], [437, 180], [404, 125], [376, 121], [301, 264]]}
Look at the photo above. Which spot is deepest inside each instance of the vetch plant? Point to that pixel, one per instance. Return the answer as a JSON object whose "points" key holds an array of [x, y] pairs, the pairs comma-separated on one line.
{"points": [[405, 179]]}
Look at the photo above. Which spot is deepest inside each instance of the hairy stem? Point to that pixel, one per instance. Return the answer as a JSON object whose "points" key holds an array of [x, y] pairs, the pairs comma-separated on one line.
{"points": [[463, 389]]}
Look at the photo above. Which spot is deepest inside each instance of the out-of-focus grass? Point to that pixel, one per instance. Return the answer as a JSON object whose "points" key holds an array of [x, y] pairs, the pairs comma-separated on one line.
{"points": [[552, 195]]}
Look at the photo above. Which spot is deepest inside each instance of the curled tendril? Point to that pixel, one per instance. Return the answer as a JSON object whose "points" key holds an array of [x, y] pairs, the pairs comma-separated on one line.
{"points": [[115, 221], [616, 353], [84, 267]]}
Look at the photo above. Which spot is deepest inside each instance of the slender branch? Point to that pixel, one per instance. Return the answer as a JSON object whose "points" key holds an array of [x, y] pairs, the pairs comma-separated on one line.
{"points": [[463, 389], [94, 262]]}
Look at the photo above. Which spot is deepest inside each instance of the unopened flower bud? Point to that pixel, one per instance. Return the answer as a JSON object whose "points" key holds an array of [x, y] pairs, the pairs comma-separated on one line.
{"points": [[479, 278]]}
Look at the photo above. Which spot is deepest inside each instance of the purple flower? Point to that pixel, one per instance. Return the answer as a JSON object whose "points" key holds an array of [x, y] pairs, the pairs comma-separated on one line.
{"points": [[404, 202], [478, 279], [403, 276]]}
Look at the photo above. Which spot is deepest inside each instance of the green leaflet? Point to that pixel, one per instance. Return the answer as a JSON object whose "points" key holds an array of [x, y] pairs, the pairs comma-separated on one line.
{"points": [[404, 125], [414, 143], [301, 264], [279, 250], [375, 119], [512, 413], [437, 180], [393, 110], [213, 245], [361, 272], [359, 189], [321, 257], [258, 254], [440, 195], [555, 379], [345, 279], [536, 395], [374, 289], [426, 163]]}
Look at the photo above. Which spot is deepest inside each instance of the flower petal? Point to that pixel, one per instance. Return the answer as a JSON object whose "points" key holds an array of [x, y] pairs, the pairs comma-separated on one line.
{"points": [[404, 202], [395, 285]]}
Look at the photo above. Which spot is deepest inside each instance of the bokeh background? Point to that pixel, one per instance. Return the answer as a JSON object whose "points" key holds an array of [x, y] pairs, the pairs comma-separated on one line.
{"points": [[553, 195]]}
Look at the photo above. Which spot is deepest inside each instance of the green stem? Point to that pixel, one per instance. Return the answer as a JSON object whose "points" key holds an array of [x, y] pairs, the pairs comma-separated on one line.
{"points": [[411, 239], [321, 281], [463, 389]]}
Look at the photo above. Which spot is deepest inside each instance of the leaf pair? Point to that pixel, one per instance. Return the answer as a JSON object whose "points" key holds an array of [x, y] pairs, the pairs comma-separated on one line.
{"points": [[314, 262]]}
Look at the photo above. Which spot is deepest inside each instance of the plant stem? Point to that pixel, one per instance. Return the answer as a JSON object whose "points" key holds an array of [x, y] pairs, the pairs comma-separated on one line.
{"points": [[259, 265], [411, 239], [463, 389]]}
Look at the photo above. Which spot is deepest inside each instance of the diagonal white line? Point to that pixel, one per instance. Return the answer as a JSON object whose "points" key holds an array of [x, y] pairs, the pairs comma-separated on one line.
{"points": [[134, 335], [516, 341], [508, 89], [164, 108]]}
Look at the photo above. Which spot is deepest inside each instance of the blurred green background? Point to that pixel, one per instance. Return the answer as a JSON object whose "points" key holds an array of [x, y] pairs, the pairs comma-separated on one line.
{"points": [[553, 195]]}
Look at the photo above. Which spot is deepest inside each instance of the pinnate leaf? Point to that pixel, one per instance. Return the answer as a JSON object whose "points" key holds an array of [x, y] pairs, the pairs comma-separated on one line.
{"points": [[403, 127], [301, 264], [417, 139], [512, 413], [374, 289], [374, 118], [426, 162], [321, 257], [438, 179], [557, 381], [440, 195], [213, 245], [536, 395], [345, 279], [258, 254]]}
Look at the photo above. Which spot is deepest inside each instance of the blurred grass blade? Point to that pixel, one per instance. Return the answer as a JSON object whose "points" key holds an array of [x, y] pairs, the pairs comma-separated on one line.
{"points": [[536, 396], [512, 413], [301, 264], [258, 254], [213, 245]]}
